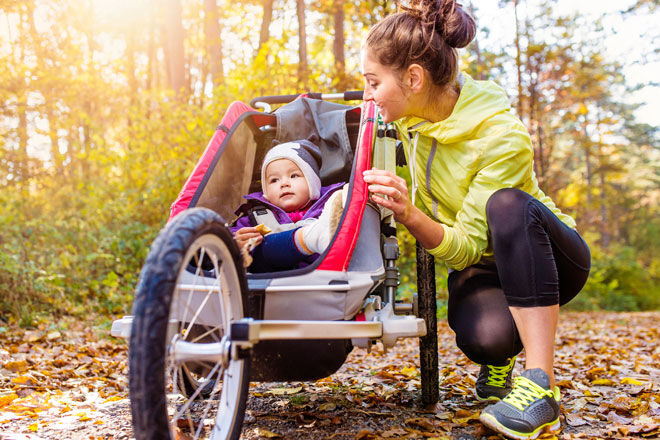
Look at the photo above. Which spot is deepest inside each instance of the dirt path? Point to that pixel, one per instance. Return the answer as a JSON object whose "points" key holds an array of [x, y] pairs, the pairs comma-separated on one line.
{"points": [[70, 383]]}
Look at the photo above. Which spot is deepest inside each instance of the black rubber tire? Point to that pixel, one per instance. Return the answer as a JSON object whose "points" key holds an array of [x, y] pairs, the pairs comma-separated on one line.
{"points": [[151, 310], [428, 345]]}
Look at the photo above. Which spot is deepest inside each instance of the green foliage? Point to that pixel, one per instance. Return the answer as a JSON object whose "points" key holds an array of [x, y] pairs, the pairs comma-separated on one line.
{"points": [[618, 281], [75, 245]]}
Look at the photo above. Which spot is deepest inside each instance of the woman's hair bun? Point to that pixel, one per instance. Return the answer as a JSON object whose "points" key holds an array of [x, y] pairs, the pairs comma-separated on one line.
{"points": [[447, 17], [459, 26]]}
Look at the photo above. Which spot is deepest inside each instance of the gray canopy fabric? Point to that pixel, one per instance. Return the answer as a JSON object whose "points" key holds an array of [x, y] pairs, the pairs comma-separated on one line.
{"points": [[329, 121]]}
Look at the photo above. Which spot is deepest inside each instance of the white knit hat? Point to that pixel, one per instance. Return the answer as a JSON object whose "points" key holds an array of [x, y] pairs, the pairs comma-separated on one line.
{"points": [[304, 154]]}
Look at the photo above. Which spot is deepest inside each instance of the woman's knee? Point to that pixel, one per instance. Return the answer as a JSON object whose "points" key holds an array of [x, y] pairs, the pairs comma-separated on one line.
{"points": [[505, 210]]}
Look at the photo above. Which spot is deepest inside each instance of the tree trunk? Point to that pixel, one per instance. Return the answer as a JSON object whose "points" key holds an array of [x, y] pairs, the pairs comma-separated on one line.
{"points": [[519, 104], [161, 71], [535, 123], [587, 160], [71, 147], [604, 228], [54, 138], [213, 42], [130, 69], [151, 52], [477, 51], [302, 45], [86, 142], [265, 24], [88, 109], [175, 48], [338, 43], [21, 131]]}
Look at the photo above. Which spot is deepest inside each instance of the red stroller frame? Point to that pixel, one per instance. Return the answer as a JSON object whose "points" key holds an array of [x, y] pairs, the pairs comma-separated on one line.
{"points": [[202, 328]]}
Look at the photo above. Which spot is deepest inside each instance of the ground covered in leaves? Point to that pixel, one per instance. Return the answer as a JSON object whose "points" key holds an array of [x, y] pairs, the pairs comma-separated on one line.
{"points": [[68, 381]]}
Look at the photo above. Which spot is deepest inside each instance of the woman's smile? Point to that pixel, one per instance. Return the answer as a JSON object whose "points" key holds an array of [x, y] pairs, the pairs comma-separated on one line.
{"points": [[383, 88]]}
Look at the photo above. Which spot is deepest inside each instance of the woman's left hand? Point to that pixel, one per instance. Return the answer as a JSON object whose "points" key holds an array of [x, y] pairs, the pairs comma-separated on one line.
{"points": [[383, 182]]}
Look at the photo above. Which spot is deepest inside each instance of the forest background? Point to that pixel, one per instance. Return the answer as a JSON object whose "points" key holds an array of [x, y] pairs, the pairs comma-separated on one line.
{"points": [[106, 105]]}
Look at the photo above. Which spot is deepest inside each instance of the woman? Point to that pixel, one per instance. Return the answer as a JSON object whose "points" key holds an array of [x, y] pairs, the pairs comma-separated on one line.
{"points": [[513, 256]]}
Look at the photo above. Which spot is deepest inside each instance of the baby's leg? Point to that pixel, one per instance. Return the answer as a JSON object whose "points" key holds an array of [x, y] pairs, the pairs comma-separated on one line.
{"points": [[277, 252]]}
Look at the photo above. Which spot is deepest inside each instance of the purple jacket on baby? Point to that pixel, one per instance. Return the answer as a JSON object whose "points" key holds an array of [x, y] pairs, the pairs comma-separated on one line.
{"points": [[314, 211]]}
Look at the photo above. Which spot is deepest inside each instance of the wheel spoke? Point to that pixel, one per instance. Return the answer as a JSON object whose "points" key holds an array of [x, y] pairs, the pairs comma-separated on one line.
{"points": [[198, 268], [197, 312], [225, 292], [209, 332], [191, 399]]}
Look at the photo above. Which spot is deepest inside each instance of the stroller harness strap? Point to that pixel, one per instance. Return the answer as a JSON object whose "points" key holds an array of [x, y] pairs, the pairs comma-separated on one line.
{"points": [[262, 215]]}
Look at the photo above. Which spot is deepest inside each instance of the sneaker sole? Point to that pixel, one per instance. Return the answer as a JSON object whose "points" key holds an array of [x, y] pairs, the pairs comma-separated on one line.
{"points": [[491, 422], [487, 399]]}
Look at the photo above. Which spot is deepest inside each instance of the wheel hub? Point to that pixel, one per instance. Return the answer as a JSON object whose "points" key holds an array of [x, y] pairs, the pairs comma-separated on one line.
{"points": [[181, 351]]}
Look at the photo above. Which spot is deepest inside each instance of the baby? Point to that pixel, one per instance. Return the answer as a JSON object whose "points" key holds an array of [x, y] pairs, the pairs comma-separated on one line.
{"points": [[291, 205]]}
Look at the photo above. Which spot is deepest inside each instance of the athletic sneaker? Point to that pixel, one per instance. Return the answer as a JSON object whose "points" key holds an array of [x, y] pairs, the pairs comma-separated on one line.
{"points": [[527, 410], [494, 382]]}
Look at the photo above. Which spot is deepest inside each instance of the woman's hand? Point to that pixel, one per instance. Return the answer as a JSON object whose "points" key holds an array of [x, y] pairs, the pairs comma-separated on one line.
{"points": [[426, 230], [244, 234], [383, 182]]}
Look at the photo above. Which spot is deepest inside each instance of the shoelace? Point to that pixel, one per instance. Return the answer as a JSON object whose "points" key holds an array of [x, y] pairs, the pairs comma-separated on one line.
{"points": [[497, 375], [525, 392]]}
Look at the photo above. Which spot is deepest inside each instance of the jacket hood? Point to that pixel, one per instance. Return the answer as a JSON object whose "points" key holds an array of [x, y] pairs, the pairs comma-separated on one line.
{"points": [[477, 102]]}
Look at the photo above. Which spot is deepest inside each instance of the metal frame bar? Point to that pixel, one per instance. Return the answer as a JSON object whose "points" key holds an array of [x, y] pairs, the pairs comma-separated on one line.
{"points": [[251, 331]]}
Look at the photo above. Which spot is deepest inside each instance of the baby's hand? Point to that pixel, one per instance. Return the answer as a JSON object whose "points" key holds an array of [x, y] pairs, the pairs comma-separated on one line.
{"points": [[244, 234]]}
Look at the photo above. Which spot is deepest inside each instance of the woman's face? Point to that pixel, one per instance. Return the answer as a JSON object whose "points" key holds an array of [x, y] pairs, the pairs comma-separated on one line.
{"points": [[383, 86], [286, 186]]}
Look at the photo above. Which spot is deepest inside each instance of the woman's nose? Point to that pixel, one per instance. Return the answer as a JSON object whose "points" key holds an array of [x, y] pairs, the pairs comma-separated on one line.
{"points": [[367, 95]]}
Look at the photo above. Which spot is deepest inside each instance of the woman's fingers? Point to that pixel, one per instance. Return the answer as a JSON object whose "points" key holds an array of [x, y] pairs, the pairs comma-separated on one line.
{"points": [[384, 183], [385, 178], [381, 175], [390, 191]]}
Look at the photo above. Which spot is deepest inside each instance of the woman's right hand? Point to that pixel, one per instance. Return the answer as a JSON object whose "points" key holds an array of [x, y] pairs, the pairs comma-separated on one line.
{"points": [[426, 230], [244, 234], [395, 188]]}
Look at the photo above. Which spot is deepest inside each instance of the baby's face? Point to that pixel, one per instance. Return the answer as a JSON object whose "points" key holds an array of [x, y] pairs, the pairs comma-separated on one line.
{"points": [[286, 186]]}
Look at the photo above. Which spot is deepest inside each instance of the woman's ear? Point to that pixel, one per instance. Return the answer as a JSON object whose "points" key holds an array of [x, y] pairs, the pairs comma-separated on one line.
{"points": [[415, 77]]}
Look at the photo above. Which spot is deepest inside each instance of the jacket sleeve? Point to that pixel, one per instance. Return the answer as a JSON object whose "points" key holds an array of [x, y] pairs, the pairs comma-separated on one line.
{"points": [[506, 162]]}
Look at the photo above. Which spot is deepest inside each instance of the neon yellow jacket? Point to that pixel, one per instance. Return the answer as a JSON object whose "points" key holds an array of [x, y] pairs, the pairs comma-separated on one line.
{"points": [[461, 161]]}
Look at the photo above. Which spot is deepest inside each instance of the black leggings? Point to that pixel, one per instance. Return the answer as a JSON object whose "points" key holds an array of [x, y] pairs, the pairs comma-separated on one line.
{"points": [[538, 261]]}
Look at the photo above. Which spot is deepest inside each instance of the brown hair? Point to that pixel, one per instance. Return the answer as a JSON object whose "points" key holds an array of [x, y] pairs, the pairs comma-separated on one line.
{"points": [[426, 32]]}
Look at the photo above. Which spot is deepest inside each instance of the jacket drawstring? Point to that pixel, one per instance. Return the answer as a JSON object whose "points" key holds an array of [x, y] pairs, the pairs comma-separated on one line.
{"points": [[412, 166]]}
